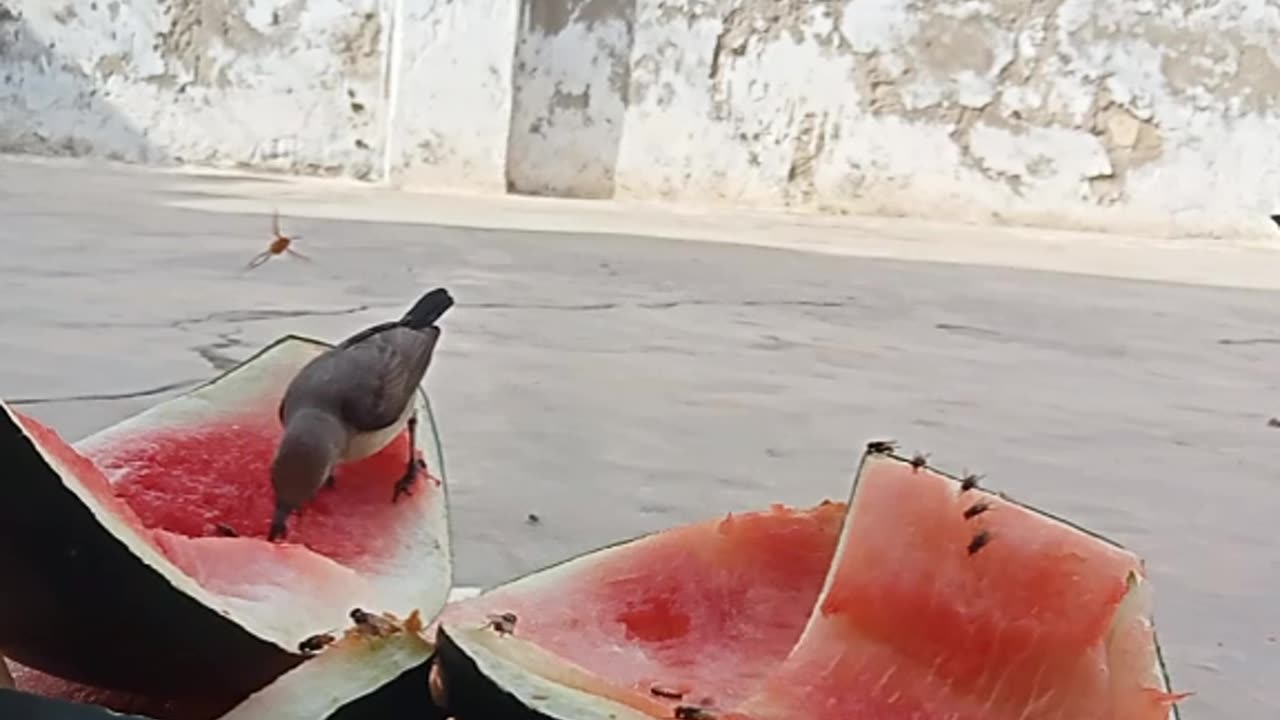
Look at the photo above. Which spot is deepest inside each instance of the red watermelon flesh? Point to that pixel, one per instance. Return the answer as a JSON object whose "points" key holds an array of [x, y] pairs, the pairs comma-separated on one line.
{"points": [[1044, 622], [169, 481], [704, 611]]}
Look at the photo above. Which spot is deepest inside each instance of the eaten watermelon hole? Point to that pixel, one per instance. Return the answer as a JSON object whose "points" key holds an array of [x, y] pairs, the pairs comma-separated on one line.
{"points": [[204, 499], [700, 613]]}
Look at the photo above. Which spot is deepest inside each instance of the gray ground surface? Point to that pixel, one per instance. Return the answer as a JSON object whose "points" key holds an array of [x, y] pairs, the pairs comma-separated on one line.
{"points": [[615, 385]]}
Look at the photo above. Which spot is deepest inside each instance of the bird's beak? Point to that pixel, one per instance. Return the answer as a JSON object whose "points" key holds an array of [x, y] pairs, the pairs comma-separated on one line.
{"points": [[278, 524]]}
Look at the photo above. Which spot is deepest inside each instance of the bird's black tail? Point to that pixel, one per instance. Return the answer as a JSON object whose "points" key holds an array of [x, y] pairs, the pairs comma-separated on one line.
{"points": [[428, 309]]}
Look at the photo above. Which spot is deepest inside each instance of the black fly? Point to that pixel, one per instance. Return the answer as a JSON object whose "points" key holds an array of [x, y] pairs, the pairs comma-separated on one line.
{"points": [[979, 541], [881, 447], [969, 482]]}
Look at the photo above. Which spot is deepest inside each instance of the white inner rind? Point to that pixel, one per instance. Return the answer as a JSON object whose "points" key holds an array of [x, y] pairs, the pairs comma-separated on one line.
{"points": [[507, 662], [418, 577], [349, 670]]}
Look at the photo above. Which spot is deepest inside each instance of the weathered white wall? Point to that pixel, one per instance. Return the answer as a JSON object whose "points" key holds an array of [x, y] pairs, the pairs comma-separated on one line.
{"points": [[572, 63], [1156, 114], [1042, 110], [451, 71], [282, 85]]}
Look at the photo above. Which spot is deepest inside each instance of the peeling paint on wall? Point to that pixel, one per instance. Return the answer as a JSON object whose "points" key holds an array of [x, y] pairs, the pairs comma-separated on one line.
{"points": [[1042, 109], [571, 70], [1072, 112], [271, 84]]}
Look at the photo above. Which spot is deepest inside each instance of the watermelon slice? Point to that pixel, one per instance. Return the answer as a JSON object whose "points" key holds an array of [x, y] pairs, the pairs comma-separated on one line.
{"points": [[943, 602], [141, 551], [963, 605], [700, 613]]}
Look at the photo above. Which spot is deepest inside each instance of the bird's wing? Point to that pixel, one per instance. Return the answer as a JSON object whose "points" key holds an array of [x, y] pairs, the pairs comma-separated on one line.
{"points": [[381, 374], [368, 333]]}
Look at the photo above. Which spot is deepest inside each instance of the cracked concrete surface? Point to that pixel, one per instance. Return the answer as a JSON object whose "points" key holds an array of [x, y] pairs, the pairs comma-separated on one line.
{"points": [[590, 364]]}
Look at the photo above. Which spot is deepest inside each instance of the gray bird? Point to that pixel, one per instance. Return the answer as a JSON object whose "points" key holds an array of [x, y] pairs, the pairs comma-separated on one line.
{"points": [[350, 401]]}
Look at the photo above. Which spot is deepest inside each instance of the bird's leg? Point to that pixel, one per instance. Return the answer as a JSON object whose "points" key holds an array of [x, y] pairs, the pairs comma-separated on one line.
{"points": [[279, 526], [331, 482], [404, 486]]}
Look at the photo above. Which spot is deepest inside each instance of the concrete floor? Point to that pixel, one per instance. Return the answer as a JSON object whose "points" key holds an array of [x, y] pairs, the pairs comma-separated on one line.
{"points": [[615, 384]]}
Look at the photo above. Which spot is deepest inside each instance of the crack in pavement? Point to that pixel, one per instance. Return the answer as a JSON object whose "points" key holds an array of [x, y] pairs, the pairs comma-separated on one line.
{"points": [[212, 352], [42, 400], [1249, 341], [245, 316], [220, 316]]}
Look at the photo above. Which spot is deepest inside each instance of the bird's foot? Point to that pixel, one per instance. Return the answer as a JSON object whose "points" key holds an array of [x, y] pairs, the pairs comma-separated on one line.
{"points": [[331, 482], [404, 486], [278, 531], [279, 524]]}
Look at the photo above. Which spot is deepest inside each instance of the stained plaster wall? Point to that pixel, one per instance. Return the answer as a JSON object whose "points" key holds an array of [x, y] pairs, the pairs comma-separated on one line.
{"points": [[1058, 111]]}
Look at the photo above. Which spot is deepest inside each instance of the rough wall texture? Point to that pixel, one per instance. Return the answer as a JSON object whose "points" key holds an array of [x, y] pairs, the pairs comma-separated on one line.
{"points": [[1041, 108], [452, 93], [289, 85], [572, 65], [1154, 112]]}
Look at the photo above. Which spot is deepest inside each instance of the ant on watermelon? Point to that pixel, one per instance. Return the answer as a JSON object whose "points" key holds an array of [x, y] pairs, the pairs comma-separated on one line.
{"points": [[315, 643], [504, 624], [375, 625]]}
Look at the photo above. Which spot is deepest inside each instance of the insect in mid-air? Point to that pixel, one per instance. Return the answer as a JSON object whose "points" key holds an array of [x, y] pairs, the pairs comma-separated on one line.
{"points": [[280, 244]]}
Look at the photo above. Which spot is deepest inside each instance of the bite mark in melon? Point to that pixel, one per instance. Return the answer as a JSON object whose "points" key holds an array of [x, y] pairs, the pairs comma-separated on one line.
{"points": [[133, 570], [701, 612]]}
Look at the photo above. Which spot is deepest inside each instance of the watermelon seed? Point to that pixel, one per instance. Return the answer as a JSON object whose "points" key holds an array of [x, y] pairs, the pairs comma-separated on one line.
{"points": [[979, 541], [976, 509], [504, 624], [693, 712], [315, 643], [880, 447], [225, 530], [969, 482], [918, 461], [663, 692]]}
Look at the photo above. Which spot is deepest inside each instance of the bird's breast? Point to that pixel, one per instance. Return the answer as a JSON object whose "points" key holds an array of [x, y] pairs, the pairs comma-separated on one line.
{"points": [[362, 445]]}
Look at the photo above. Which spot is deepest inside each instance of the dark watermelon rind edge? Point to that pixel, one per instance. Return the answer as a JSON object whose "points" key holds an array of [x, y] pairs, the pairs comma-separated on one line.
{"points": [[869, 452], [18, 705]]}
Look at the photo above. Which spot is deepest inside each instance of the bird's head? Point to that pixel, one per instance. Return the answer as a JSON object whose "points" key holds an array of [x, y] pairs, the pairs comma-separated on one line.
{"points": [[308, 452]]}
